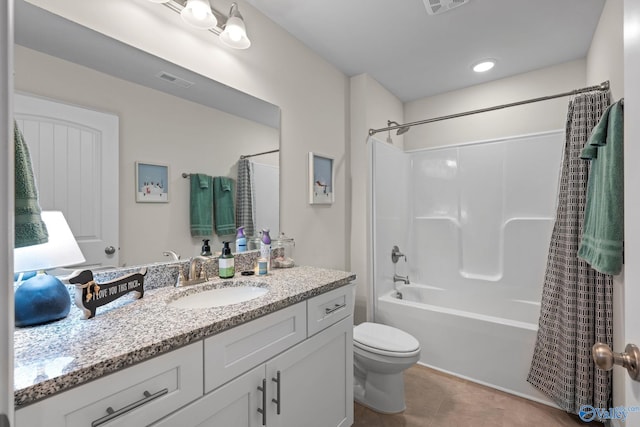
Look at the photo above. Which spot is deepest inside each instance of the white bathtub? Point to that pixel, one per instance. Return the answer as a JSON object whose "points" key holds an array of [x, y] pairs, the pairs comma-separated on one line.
{"points": [[480, 339]]}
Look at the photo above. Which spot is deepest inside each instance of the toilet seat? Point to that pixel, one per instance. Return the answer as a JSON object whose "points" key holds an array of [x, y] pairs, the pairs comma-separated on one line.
{"points": [[385, 340]]}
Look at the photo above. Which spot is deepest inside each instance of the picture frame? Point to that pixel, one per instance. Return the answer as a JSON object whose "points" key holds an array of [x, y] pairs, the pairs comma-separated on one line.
{"points": [[152, 183], [321, 179]]}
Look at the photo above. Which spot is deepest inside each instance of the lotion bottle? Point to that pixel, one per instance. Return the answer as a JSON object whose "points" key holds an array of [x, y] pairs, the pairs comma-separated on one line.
{"points": [[226, 267]]}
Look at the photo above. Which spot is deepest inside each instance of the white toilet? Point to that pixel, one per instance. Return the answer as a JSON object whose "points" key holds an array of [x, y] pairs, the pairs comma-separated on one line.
{"points": [[381, 353]]}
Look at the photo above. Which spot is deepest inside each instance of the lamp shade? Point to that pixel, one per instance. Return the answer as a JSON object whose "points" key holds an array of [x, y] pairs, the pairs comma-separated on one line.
{"points": [[198, 14], [60, 251], [235, 32], [44, 298]]}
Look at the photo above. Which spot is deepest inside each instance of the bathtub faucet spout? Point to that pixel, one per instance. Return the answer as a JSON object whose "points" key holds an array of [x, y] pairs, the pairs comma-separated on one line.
{"points": [[398, 278]]}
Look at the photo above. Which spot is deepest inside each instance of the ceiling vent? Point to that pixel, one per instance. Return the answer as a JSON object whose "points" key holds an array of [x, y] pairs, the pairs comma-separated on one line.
{"points": [[436, 7], [174, 79]]}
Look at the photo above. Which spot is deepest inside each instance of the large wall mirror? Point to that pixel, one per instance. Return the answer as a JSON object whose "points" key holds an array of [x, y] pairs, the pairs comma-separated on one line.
{"points": [[164, 115]]}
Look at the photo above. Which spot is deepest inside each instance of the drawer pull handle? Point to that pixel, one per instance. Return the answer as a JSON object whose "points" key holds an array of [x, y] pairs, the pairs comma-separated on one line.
{"points": [[263, 410], [111, 414], [336, 307], [276, 400]]}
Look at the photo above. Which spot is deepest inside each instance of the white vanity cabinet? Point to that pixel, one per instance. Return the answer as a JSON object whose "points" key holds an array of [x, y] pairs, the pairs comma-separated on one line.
{"points": [[135, 396], [290, 368], [308, 384]]}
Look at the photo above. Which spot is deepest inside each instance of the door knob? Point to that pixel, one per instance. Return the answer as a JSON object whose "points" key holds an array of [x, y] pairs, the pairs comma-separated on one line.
{"points": [[109, 250], [605, 359]]}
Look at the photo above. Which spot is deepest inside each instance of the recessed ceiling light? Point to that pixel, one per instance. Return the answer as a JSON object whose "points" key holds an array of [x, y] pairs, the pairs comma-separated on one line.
{"points": [[484, 65]]}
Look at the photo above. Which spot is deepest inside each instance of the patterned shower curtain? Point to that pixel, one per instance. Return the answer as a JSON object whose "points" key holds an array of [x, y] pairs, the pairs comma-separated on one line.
{"points": [[576, 309], [244, 197]]}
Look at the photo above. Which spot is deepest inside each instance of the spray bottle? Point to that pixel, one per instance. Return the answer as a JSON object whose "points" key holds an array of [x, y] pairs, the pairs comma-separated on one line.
{"points": [[265, 249], [241, 241]]}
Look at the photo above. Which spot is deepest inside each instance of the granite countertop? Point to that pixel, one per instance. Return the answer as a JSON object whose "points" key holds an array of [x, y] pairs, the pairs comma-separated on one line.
{"points": [[57, 356]]}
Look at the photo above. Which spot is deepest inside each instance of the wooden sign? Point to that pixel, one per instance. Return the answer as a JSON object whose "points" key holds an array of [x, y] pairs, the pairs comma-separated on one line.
{"points": [[91, 295]]}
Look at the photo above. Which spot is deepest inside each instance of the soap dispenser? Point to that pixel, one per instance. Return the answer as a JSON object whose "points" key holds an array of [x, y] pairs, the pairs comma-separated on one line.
{"points": [[226, 267], [241, 241], [206, 249]]}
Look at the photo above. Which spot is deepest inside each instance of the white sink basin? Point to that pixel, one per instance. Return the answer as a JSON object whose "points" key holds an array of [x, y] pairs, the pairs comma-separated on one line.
{"points": [[219, 297]]}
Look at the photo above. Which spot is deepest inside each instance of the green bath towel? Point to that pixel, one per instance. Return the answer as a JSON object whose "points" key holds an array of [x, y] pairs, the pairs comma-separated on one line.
{"points": [[201, 205], [223, 205], [29, 227], [602, 240]]}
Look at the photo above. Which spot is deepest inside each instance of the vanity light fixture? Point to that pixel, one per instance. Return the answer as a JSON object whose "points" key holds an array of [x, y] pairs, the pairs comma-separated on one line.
{"points": [[484, 65], [200, 14], [235, 33]]}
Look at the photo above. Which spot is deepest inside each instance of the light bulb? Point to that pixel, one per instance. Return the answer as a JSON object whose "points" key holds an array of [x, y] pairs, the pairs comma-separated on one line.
{"points": [[197, 13], [235, 34], [483, 66]]}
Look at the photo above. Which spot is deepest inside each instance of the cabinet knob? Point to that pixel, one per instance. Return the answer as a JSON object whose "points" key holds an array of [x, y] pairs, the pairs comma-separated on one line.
{"points": [[606, 359], [109, 250]]}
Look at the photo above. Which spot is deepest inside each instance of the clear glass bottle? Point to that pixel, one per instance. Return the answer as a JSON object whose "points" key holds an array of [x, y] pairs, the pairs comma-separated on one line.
{"points": [[284, 247]]}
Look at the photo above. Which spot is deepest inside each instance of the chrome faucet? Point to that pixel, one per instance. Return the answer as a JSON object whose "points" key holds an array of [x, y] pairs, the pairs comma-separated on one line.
{"points": [[396, 254], [180, 280], [194, 278], [172, 254], [398, 278]]}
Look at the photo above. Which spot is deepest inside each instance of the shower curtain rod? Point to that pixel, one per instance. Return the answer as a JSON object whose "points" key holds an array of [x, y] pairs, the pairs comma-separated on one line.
{"points": [[602, 86], [244, 156]]}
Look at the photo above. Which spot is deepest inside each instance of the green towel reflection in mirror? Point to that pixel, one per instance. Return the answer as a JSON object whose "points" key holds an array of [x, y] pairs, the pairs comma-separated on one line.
{"points": [[201, 205], [223, 205], [29, 227]]}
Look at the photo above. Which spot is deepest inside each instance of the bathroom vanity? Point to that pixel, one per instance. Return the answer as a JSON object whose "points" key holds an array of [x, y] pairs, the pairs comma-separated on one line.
{"points": [[281, 359]]}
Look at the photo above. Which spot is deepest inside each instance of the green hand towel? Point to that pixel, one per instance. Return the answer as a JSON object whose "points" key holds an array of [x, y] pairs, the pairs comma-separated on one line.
{"points": [[602, 239], [223, 205], [201, 205], [29, 227]]}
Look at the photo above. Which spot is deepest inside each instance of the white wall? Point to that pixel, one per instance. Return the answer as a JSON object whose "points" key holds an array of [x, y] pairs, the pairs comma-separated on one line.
{"points": [[312, 94], [371, 106], [605, 61], [531, 118], [155, 128]]}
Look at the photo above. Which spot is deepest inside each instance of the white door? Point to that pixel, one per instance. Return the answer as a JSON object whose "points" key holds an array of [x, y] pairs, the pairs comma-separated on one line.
{"points": [[632, 197], [74, 152], [6, 215]]}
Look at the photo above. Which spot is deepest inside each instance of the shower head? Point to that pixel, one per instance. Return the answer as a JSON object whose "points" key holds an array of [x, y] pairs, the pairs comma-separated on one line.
{"points": [[401, 130]]}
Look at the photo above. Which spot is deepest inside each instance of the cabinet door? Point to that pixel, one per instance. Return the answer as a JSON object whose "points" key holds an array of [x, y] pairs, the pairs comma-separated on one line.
{"points": [[316, 381], [135, 396], [234, 404]]}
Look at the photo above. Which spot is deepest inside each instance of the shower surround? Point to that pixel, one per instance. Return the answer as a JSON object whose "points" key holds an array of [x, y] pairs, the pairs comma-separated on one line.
{"points": [[475, 222]]}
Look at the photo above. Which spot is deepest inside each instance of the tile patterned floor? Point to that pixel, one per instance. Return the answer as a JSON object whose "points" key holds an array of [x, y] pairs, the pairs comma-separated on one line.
{"points": [[435, 399]]}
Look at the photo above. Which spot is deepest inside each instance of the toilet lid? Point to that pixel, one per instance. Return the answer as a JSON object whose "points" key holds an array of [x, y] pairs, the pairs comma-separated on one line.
{"points": [[384, 337]]}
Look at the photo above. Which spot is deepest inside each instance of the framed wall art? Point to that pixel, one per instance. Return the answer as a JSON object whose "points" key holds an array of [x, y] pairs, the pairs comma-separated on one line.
{"points": [[152, 183], [321, 179]]}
